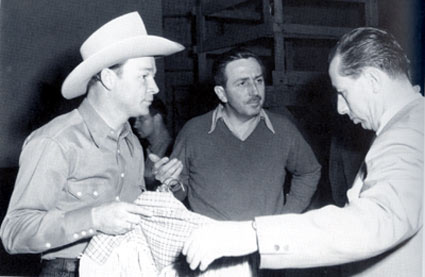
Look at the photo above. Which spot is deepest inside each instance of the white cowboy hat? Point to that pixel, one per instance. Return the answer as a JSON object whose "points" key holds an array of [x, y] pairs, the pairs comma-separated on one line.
{"points": [[120, 39]]}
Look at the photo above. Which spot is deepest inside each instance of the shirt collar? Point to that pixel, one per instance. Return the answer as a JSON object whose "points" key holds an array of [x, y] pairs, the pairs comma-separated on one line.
{"points": [[219, 113], [399, 107], [99, 129]]}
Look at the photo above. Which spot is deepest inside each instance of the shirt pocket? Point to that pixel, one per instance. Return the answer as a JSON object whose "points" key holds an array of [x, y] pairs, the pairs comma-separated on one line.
{"points": [[89, 190]]}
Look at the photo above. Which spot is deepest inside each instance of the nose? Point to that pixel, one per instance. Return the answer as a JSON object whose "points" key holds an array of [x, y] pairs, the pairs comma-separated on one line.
{"points": [[254, 89], [342, 106], [152, 86]]}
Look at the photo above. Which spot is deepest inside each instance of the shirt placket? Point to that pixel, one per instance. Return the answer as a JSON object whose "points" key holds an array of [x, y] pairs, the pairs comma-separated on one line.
{"points": [[121, 152]]}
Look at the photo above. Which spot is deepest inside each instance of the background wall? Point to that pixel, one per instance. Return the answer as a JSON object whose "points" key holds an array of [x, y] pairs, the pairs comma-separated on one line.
{"points": [[40, 43]]}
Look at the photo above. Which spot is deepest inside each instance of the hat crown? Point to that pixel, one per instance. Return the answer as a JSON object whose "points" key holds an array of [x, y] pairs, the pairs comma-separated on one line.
{"points": [[121, 28]]}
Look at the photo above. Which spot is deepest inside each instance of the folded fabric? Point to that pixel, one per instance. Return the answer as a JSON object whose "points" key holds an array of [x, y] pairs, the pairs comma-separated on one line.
{"points": [[154, 247]]}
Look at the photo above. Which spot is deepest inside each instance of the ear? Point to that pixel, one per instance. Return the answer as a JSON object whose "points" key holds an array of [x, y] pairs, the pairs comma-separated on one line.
{"points": [[374, 78], [157, 118], [107, 78], [221, 93]]}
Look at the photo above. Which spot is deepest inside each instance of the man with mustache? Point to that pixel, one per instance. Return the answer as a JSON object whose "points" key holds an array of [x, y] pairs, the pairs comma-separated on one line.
{"points": [[236, 157], [379, 232]]}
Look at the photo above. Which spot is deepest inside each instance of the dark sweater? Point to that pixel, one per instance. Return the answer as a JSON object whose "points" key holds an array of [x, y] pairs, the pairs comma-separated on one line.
{"points": [[230, 179]]}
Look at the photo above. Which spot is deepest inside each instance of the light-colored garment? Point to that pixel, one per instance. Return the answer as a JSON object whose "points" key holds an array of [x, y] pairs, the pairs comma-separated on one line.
{"points": [[219, 113], [154, 247], [69, 165], [383, 218]]}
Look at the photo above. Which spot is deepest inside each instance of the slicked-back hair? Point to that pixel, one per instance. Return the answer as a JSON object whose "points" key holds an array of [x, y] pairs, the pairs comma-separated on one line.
{"points": [[220, 63], [370, 47]]}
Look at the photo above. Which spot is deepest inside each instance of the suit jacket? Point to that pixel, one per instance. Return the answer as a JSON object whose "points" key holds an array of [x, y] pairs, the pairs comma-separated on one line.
{"points": [[381, 225]]}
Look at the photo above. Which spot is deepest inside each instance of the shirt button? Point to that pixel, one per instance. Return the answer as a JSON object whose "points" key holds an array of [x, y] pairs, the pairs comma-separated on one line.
{"points": [[79, 193], [83, 233], [117, 198], [91, 231], [95, 193], [122, 175], [118, 151], [48, 245], [75, 236], [276, 247]]}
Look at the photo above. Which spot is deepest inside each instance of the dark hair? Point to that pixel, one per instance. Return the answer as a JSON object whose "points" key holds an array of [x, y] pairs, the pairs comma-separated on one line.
{"points": [[219, 65], [158, 107], [96, 78], [372, 47]]}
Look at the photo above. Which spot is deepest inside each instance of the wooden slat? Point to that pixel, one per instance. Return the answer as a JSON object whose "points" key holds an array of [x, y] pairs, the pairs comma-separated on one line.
{"points": [[238, 14], [236, 35], [295, 77], [371, 13], [313, 31], [213, 6], [349, 1], [279, 40]]}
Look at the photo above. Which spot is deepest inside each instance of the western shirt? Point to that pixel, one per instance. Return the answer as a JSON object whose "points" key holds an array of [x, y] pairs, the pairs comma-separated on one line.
{"points": [[68, 166]]}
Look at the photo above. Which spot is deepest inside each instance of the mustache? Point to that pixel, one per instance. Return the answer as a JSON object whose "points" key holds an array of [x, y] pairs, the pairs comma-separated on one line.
{"points": [[255, 99]]}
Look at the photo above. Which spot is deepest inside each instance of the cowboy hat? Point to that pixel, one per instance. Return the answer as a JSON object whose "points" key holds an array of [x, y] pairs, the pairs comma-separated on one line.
{"points": [[120, 39]]}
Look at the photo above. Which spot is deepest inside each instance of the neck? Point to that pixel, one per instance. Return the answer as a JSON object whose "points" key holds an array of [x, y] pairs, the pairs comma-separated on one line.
{"points": [[236, 119], [157, 134], [103, 107], [396, 94]]}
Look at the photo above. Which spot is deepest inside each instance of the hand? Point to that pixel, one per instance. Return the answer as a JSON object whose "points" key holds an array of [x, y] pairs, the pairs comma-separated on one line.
{"points": [[165, 168], [220, 239], [117, 217]]}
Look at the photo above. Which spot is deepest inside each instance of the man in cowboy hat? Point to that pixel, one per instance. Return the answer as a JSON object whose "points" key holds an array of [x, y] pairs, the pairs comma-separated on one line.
{"points": [[80, 173]]}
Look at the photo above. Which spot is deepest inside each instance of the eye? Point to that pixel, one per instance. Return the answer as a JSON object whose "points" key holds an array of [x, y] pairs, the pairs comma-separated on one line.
{"points": [[260, 80], [242, 83]]}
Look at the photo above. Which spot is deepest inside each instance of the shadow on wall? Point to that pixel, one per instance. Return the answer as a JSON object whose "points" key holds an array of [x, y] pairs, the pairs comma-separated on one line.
{"points": [[19, 265], [48, 101]]}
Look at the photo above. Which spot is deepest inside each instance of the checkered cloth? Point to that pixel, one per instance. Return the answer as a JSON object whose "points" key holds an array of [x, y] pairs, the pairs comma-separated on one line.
{"points": [[165, 232]]}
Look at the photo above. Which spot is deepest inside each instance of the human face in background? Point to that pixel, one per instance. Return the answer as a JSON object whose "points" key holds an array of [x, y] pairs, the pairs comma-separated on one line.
{"points": [[354, 96], [144, 125], [136, 86], [244, 91]]}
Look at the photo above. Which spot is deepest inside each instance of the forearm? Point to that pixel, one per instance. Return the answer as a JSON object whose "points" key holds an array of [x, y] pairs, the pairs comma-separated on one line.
{"points": [[330, 235], [302, 190], [35, 231]]}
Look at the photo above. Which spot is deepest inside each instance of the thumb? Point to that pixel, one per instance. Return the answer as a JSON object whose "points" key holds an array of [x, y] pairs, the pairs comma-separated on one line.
{"points": [[154, 158]]}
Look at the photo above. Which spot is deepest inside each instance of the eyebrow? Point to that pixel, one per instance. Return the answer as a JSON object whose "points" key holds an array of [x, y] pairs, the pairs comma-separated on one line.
{"points": [[247, 78]]}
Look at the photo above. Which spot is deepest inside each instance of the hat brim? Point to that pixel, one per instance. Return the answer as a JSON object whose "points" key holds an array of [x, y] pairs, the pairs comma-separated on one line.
{"points": [[76, 82]]}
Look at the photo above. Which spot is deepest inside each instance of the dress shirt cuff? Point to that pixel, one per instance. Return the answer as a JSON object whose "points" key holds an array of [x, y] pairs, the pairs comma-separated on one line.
{"points": [[269, 242], [79, 224]]}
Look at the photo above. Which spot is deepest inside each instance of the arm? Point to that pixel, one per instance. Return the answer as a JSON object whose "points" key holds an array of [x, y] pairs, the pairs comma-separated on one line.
{"points": [[305, 171], [33, 224], [40, 218], [180, 153], [383, 211]]}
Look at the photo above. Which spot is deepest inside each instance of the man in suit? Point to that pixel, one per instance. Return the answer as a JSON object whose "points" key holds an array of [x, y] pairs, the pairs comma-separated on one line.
{"points": [[379, 231]]}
